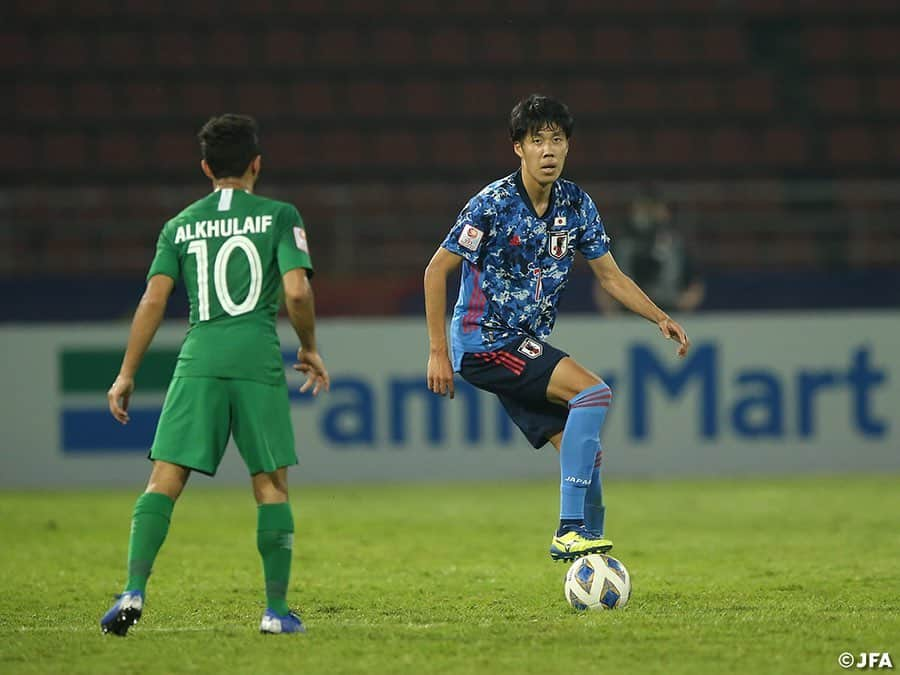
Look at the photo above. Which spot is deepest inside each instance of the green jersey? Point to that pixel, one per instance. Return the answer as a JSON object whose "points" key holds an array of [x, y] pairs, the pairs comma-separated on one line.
{"points": [[231, 249]]}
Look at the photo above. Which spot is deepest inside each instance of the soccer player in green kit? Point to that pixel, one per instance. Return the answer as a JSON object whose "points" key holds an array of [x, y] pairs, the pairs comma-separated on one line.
{"points": [[236, 253]]}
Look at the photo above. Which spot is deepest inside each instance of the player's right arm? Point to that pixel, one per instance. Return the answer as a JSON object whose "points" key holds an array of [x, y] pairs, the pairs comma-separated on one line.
{"points": [[149, 315], [301, 310], [440, 370]]}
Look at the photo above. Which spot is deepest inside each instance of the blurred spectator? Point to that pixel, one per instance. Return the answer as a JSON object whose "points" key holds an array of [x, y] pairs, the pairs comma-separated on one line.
{"points": [[652, 252]]}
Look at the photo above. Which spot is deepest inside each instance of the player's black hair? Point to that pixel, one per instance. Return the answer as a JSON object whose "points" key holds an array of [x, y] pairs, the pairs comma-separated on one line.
{"points": [[229, 143], [539, 112]]}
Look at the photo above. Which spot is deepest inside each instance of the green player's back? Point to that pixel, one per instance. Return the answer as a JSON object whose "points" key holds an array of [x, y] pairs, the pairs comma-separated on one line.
{"points": [[230, 249]]}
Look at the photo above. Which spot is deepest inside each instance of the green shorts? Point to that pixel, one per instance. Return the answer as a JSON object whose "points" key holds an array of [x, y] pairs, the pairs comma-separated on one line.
{"points": [[200, 413]]}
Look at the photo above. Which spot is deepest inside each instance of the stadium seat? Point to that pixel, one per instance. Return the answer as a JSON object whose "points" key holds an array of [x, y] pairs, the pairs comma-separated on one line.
{"points": [[65, 151], [694, 95], [175, 49], [667, 45], [121, 150], [396, 149], [447, 45], [17, 151], [557, 44], [723, 45], [881, 44], [751, 94], [17, 51], [730, 146], [94, 100], [337, 46], [65, 50], [887, 94], [236, 55], [611, 44], [174, 150], [370, 96], [502, 46], [640, 96], [311, 99], [673, 146], [394, 46], [838, 94], [827, 44], [148, 99], [424, 98], [198, 99], [285, 48], [264, 98], [453, 148], [851, 145], [785, 146], [37, 101]]}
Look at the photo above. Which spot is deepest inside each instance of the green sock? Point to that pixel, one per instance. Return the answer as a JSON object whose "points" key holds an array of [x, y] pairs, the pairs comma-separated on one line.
{"points": [[275, 541], [149, 526]]}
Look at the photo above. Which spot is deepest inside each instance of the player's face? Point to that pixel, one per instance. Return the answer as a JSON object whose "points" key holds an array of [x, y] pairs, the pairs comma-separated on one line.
{"points": [[543, 153]]}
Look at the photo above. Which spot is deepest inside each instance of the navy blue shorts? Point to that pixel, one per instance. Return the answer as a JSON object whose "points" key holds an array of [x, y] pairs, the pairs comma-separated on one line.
{"points": [[518, 373]]}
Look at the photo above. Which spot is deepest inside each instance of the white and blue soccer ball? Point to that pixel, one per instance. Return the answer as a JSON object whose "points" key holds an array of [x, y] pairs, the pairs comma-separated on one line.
{"points": [[597, 581]]}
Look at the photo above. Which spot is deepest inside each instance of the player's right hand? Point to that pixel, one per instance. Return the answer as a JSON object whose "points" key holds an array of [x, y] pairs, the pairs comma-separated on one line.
{"points": [[440, 374], [118, 396]]}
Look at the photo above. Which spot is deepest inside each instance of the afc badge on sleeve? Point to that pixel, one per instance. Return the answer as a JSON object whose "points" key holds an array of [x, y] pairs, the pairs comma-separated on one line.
{"points": [[470, 237]]}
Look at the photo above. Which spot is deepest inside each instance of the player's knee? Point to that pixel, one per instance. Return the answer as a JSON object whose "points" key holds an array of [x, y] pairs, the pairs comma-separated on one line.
{"points": [[270, 488]]}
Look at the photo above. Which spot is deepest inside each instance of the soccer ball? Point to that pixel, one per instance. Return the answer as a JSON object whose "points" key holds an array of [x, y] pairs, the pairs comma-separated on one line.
{"points": [[597, 581]]}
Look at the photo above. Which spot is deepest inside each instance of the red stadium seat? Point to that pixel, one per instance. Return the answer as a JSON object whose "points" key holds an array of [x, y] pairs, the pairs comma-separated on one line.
{"points": [[454, 148], [174, 150], [751, 94], [312, 99], [17, 151], [396, 149], [150, 99], [502, 46], [228, 48], [64, 50], [16, 51], [828, 44], [482, 98], [641, 96], [262, 98], [693, 95], [612, 44], [731, 146], [447, 45], [284, 47], [723, 44], [590, 95], [673, 146], [424, 97], [838, 94], [887, 94], [370, 96], [557, 44], [881, 44], [785, 146], [200, 99], [94, 99], [337, 46], [175, 49], [668, 44], [66, 151], [120, 50], [394, 46], [120, 150], [37, 101], [851, 145]]}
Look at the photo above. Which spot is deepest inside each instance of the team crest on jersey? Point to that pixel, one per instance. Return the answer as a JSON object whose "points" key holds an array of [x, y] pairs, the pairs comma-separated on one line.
{"points": [[559, 243], [470, 238], [531, 348]]}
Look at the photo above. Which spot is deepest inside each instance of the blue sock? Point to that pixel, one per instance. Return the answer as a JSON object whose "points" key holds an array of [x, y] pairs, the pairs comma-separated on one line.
{"points": [[580, 444], [594, 510]]}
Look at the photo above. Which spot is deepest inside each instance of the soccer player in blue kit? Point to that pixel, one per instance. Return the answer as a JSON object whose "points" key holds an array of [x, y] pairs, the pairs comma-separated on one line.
{"points": [[516, 241]]}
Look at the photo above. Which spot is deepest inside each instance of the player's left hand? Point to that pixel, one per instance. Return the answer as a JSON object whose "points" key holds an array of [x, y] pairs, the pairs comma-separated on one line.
{"points": [[672, 331], [312, 365], [118, 396]]}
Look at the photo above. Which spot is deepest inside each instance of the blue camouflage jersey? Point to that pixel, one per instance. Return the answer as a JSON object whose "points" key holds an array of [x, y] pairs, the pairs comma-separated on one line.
{"points": [[516, 264]]}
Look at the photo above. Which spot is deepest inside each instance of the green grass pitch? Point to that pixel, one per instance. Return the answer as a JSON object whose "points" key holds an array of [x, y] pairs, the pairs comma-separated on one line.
{"points": [[736, 576]]}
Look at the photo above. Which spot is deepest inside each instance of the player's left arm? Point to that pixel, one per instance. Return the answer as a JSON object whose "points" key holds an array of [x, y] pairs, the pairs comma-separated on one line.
{"points": [[149, 315], [621, 287]]}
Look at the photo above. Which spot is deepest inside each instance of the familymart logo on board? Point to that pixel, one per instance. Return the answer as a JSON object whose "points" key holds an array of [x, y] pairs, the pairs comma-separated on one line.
{"points": [[84, 378]]}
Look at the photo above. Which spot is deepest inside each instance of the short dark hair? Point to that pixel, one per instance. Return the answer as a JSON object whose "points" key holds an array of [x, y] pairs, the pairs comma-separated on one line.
{"points": [[229, 143], [539, 112]]}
